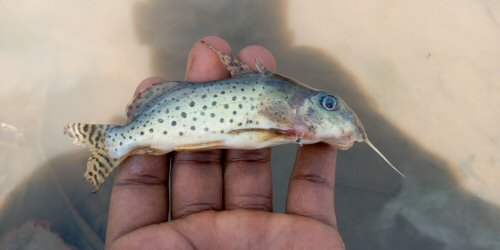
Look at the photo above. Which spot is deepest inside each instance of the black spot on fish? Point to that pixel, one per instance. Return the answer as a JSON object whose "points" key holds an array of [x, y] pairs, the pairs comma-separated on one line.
{"points": [[183, 114], [234, 112], [204, 96], [141, 133], [194, 119], [150, 130], [242, 90], [215, 96], [212, 115], [174, 123], [222, 131], [244, 98], [239, 124], [221, 120], [214, 103], [130, 137], [165, 132], [240, 106], [193, 128], [206, 129], [167, 111], [226, 106], [121, 143], [234, 98], [160, 120], [177, 107], [191, 104], [202, 113], [222, 92], [181, 133], [132, 128], [231, 120], [204, 107]]}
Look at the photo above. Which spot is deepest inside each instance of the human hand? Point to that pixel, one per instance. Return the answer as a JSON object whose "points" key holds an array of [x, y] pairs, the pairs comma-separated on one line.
{"points": [[223, 200]]}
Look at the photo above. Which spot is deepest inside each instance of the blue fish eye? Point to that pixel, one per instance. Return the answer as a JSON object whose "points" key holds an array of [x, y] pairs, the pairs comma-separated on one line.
{"points": [[329, 102]]}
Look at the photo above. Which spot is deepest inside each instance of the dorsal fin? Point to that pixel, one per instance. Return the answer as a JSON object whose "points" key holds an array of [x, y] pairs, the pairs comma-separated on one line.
{"points": [[233, 65], [144, 99]]}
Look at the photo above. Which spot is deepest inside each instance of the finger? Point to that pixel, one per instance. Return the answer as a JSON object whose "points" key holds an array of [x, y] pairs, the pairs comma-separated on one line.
{"points": [[311, 188], [148, 82], [197, 176], [247, 173], [139, 196], [143, 180], [203, 64], [255, 53]]}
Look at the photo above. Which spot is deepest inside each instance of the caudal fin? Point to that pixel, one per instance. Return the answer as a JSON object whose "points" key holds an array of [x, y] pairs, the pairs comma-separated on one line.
{"points": [[100, 163]]}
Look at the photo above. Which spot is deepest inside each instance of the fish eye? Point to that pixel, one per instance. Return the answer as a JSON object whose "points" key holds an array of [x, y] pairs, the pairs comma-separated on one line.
{"points": [[329, 102]]}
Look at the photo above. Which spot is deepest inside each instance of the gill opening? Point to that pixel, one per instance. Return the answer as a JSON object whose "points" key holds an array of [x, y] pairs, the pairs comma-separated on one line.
{"points": [[383, 157]]}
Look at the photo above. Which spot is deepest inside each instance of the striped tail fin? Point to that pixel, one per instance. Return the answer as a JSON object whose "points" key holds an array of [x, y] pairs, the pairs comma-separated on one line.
{"points": [[100, 163]]}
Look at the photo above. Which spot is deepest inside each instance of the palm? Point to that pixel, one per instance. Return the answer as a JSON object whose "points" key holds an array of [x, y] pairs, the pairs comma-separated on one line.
{"points": [[239, 229], [222, 199]]}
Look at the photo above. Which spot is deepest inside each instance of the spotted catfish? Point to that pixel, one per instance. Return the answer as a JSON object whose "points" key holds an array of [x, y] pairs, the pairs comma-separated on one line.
{"points": [[250, 110]]}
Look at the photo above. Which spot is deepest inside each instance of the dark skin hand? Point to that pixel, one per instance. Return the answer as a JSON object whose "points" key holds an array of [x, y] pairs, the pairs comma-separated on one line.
{"points": [[223, 200]]}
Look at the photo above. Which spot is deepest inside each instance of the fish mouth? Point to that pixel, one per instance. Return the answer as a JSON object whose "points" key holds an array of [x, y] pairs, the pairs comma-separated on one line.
{"points": [[342, 143]]}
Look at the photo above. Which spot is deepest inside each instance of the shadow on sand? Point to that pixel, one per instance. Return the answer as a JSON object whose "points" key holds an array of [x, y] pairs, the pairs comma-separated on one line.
{"points": [[376, 208]]}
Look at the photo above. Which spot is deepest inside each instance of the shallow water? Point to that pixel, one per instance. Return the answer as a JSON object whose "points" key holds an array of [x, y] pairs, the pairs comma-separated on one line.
{"points": [[423, 77]]}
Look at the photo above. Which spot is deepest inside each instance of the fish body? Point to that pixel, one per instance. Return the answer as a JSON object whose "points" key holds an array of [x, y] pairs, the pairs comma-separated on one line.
{"points": [[251, 110]]}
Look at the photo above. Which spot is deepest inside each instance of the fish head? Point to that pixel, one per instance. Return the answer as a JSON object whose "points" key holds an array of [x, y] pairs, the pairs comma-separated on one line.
{"points": [[333, 121]]}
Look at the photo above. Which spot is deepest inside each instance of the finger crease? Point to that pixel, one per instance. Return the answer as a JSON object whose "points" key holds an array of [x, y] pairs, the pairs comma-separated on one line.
{"points": [[196, 208], [314, 179], [141, 180], [252, 201], [328, 220], [249, 157]]}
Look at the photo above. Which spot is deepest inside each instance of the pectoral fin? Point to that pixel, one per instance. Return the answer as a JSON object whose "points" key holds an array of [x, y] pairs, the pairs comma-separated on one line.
{"points": [[263, 135]]}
